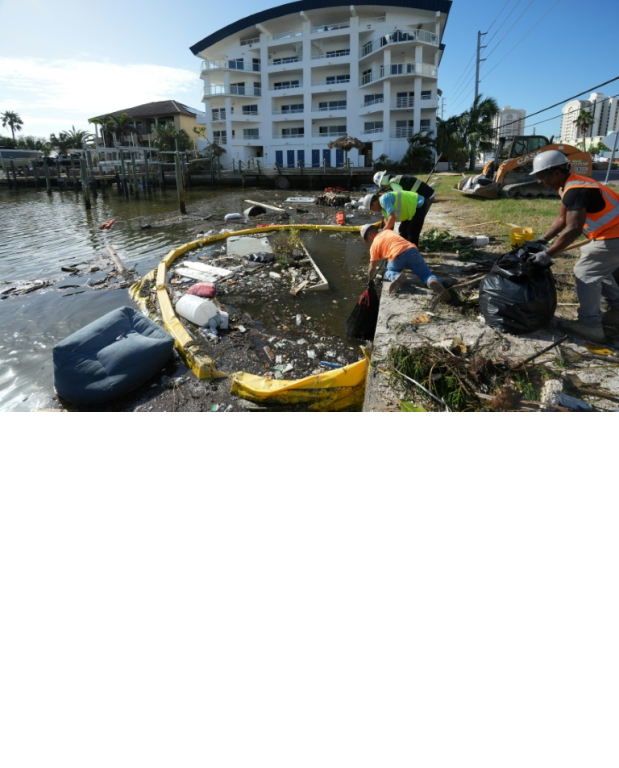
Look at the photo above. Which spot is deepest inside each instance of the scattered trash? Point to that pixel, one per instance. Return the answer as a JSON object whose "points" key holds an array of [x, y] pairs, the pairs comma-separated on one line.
{"points": [[326, 364], [275, 275], [107, 224], [261, 258], [299, 319], [254, 210], [204, 290], [195, 309], [233, 216], [269, 353]]}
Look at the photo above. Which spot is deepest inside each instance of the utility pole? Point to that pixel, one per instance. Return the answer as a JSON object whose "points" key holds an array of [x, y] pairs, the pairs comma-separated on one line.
{"points": [[479, 49]]}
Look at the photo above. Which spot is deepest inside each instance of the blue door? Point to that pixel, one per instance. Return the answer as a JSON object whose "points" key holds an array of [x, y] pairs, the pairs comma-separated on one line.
{"points": [[315, 158], [290, 158], [301, 158], [326, 156], [279, 157], [339, 158]]}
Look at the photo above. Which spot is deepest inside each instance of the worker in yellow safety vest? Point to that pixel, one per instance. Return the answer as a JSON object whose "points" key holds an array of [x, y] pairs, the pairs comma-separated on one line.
{"points": [[590, 208], [403, 207]]}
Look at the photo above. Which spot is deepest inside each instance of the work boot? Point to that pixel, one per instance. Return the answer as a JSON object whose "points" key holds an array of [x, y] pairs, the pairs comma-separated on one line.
{"points": [[397, 284], [435, 286], [591, 332], [611, 317]]}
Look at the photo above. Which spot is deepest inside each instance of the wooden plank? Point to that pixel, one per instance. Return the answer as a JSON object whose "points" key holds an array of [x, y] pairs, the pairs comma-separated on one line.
{"points": [[264, 205], [119, 265], [323, 279], [208, 269]]}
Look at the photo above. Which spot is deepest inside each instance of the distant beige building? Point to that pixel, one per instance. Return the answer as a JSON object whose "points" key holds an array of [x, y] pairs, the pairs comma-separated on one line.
{"points": [[145, 117], [509, 122], [605, 113]]}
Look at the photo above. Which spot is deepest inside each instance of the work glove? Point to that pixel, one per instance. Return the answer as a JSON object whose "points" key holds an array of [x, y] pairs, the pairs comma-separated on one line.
{"points": [[540, 259]]}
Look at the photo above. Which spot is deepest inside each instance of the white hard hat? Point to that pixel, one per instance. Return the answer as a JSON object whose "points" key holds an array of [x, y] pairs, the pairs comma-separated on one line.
{"points": [[550, 159], [364, 229], [378, 177], [367, 201]]}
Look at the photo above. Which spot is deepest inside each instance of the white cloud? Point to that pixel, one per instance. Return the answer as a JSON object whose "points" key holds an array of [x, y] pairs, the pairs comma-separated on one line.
{"points": [[51, 96]]}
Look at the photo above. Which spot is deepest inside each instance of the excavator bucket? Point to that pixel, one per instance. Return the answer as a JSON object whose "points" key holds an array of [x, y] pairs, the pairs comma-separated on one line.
{"points": [[478, 186]]}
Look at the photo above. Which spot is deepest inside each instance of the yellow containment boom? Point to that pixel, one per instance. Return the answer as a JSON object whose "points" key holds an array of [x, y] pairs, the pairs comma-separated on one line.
{"points": [[329, 391], [201, 364]]}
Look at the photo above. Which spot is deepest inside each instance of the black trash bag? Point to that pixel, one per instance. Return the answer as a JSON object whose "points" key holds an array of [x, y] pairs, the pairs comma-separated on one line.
{"points": [[261, 258], [362, 321], [517, 295]]}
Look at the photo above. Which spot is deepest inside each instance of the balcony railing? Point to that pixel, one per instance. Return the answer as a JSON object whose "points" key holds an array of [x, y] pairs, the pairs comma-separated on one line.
{"points": [[284, 35], [289, 135], [330, 27], [286, 87], [248, 136], [343, 81], [290, 60], [404, 102], [332, 55], [220, 140], [330, 109], [233, 90], [373, 130], [287, 112], [406, 133], [250, 41], [215, 64], [417, 35], [374, 102], [407, 69], [326, 134]]}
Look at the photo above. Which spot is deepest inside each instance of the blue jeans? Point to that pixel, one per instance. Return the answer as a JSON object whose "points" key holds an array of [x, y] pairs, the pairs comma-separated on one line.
{"points": [[410, 259]]}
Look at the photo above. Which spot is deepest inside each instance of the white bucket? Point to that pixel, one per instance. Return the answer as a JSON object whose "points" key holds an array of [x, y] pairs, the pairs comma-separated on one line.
{"points": [[481, 241], [195, 309]]}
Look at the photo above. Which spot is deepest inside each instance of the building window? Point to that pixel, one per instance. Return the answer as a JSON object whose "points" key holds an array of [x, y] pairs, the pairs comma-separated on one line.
{"points": [[220, 137], [371, 98], [286, 84], [424, 125], [338, 79], [218, 114], [292, 108], [326, 105], [250, 133], [292, 132], [332, 130], [374, 126], [236, 64], [252, 109]]}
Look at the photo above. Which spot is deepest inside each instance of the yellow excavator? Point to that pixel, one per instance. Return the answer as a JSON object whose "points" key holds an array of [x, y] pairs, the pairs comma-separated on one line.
{"points": [[508, 174]]}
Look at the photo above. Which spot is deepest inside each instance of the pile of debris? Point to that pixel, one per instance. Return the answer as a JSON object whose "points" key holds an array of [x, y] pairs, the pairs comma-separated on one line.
{"points": [[334, 199]]}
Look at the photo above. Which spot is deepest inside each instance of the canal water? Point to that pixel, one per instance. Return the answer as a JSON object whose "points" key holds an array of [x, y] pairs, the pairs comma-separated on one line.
{"points": [[40, 234]]}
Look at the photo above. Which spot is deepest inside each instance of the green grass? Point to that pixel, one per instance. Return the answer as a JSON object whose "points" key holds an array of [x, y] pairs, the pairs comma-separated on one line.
{"points": [[537, 214]]}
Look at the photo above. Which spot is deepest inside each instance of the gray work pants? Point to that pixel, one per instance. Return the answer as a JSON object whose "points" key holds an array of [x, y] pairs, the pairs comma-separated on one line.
{"points": [[594, 279]]}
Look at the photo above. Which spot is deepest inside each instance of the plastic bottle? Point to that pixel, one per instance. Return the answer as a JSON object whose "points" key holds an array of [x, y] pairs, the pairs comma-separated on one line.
{"points": [[195, 309]]}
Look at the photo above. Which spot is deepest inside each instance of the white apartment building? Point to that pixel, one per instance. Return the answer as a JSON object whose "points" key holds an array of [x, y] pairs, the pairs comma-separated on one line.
{"points": [[283, 83], [605, 113], [509, 122]]}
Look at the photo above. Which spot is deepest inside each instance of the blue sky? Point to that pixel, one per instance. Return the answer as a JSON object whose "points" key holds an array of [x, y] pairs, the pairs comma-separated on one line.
{"points": [[64, 62]]}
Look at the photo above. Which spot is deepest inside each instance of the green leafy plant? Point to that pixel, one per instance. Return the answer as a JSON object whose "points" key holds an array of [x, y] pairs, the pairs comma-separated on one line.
{"points": [[286, 246]]}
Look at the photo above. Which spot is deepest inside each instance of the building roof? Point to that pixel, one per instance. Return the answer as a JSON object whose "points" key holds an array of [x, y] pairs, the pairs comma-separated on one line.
{"points": [[442, 6], [154, 109]]}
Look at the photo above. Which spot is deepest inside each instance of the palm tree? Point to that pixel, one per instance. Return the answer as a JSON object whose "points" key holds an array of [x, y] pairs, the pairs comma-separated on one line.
{"points": [[418, 156], [105, 123], [13, 120], [583, 122], [476, 127], [165, 137], [450, 143], [60, 142], [77, 139], [119, 126]]}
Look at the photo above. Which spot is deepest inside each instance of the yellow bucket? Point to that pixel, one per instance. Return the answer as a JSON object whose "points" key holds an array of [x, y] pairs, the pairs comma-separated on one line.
{"points": [[520, 235]]}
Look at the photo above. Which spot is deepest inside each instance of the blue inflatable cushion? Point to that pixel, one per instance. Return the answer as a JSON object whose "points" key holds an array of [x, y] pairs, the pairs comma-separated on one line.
{"points": [[109, 357]]}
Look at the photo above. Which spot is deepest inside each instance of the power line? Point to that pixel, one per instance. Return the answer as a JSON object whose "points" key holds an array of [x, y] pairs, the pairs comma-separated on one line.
{"points": [[504, 20], [489, 54], [472, 59], [464, 85], [497, 16], [521, 39]]}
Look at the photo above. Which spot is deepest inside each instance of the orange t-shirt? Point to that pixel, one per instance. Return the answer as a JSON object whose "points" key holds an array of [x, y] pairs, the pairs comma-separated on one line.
{"points": [[387, 245]]}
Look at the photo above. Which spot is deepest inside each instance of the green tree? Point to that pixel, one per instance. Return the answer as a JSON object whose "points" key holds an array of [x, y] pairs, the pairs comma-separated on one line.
{"points": [[165, 136], [105, 124], [583, 122], [450, 143], [419, 155], [13, 120], [32, 142], [476, 127], [60, 142]]}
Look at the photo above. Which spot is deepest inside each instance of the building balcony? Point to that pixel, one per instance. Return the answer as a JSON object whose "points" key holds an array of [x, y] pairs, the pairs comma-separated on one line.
{"points": [[285, 61], [296, 137], [328, 58], [226, 64], [280, 114], [406, 133], [398, 70], [332, 84], [286, 35], [376, 105], [374, 132], [329, 28], [282, 88], [220, 140], [245, 118], [325, 110], [397, 38], [251, 41], [213, 91]]}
